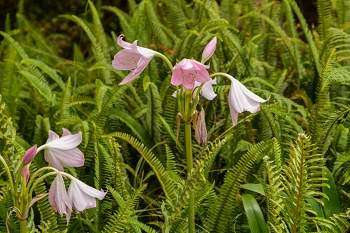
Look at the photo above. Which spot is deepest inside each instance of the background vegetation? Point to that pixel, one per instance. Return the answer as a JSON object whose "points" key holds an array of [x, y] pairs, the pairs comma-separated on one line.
{"points": [[284, 169]]}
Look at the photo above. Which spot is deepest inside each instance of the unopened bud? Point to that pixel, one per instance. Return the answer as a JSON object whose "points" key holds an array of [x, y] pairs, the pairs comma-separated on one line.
{"points": [[29, 155]]}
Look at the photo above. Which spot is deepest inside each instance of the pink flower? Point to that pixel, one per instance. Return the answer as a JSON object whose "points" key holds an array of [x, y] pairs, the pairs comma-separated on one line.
{"points": [[82, 196], [206, 90], [58, 197], [187, 71], [240, 99], [133, 58], [209, 50], [29, 155], [25, 171], [63, 151]]}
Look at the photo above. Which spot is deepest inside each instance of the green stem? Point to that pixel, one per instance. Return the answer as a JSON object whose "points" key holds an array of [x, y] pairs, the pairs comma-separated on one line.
{"points": [[165, 59], [9, 175], [23, 225], [188, 144]]}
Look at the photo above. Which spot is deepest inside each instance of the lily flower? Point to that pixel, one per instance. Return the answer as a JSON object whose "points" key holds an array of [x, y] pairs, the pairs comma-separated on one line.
{"points": [[240, 99], [58, 197], [29, 155], [187, 71], [82, 196], [206, 90], [209, 50], [133, 58], [63, 151]]}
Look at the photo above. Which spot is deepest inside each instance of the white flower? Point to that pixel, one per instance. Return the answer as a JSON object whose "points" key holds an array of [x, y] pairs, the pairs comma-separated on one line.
{"points": [[58, 197], [240, 99], [63, 151], [82, 196]]}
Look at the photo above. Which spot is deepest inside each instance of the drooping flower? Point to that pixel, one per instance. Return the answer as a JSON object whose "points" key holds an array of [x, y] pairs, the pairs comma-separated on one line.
{"points": [[63, 151], [133, 58], [82, 196], [240, 99], [58, 197], [29, 155], [209, 50], [26, 172], [187, 71]]}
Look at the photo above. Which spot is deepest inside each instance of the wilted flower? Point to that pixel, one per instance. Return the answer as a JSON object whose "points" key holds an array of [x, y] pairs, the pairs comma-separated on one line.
{"points": [[25, 171], [133, 58], [82, 196], [240, 99], [209, 50], [187, 71], [201, 129], [63, 151], [29, 155], [58, 197]]}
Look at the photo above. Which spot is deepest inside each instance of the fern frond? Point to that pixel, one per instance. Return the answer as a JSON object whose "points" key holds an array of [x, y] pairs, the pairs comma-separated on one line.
{"points": [[218, 220], [156, 165]]}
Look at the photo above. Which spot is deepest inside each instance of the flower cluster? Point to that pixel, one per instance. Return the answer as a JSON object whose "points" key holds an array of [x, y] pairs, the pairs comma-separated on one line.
{"points": [[189, 73], [59, 152]]}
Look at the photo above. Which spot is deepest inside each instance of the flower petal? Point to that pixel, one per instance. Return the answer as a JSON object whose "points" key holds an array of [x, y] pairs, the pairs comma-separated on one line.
{"points": [[176, 78], [82, 196], [71, 158], [29, 155], [202, 76], [209, 50], [52, 160], [233, 111], [58, 197], [123, 44], [207, 89], [66, 143], [52, 136], [126, 60]]}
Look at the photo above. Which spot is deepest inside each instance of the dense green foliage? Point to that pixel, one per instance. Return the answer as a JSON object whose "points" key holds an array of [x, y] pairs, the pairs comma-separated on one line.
{"points": [[283, 169]]}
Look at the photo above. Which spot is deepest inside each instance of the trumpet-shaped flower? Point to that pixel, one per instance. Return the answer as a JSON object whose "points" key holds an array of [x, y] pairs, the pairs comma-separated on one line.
{"points": [[63, 151], [82, 196], [133, 58], [29, 155], [209, 50], [240, 99], [187, 71], [58, 197]]}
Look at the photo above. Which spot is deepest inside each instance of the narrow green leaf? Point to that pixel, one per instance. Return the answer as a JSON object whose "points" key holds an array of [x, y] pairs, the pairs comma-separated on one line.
{"points": [[254, 187], [255, 217], [331, 206]]}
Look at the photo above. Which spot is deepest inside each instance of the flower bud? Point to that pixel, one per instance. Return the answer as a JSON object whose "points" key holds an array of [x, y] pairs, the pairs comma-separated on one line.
{"points": [[25, 171], [29, 155], [209, 50]]}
